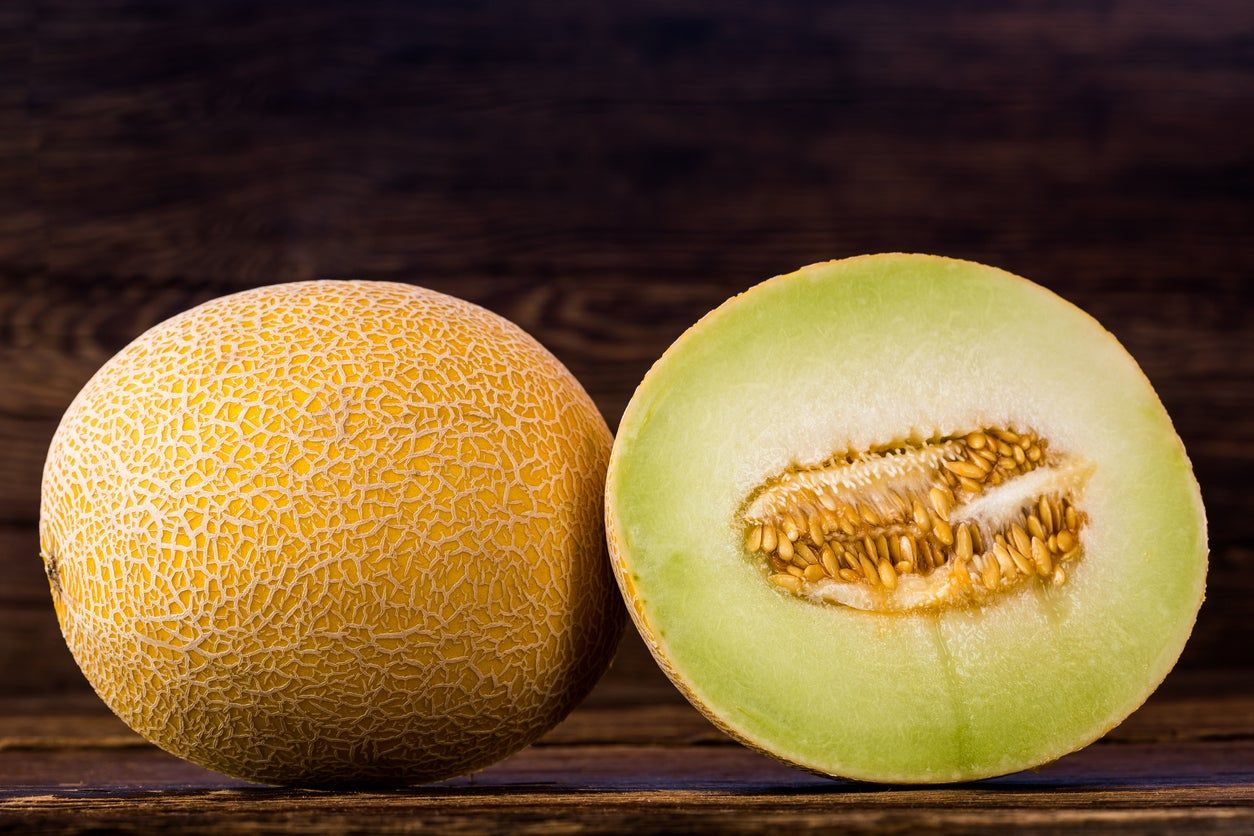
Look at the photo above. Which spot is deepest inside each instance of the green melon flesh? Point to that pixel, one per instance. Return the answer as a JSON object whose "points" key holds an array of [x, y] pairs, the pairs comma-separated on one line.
{"points": [[847, 355]]}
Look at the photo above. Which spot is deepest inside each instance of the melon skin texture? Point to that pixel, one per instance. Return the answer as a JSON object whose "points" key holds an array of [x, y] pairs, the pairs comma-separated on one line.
{"points": [[333, 533], [851, 354]]}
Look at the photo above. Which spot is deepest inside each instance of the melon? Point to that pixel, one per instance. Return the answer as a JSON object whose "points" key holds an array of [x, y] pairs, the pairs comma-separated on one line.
{"points": [[333, 533], [904, 518]]}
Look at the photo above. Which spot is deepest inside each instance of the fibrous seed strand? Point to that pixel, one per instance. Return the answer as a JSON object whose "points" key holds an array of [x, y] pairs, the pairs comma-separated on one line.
{"points": [[878, 518]]}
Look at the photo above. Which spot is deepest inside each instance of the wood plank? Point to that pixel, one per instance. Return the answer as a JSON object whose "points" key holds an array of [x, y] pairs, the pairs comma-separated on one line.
{"points": [[628, 709], [1186, 759], [1058, 123], [33, 655], [631, 787], [36, 661], [1198, 351]]}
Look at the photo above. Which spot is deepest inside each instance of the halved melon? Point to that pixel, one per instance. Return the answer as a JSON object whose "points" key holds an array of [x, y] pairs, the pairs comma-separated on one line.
{"points": [[905, 518]]}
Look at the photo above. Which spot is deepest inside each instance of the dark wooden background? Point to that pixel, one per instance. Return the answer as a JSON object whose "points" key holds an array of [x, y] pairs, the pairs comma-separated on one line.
{"points": [[604, 173]]}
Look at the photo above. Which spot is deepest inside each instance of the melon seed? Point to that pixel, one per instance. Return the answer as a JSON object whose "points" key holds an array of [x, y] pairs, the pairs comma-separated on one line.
{"points": [[871, 517]]}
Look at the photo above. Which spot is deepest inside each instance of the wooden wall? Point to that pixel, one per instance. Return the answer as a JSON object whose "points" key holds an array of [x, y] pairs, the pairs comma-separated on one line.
{"points": [[603, 174]]}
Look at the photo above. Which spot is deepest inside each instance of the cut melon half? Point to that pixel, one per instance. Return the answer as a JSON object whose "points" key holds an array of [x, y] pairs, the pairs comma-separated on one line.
{"points": [[904, 518]]}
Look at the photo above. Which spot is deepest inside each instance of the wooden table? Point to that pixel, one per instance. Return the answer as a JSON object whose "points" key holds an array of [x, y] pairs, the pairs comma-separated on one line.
{"points": [[603, 174], [636, 758]]}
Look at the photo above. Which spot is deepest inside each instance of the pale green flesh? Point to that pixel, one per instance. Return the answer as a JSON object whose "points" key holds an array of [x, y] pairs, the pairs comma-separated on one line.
{"points": [[862, 352]]}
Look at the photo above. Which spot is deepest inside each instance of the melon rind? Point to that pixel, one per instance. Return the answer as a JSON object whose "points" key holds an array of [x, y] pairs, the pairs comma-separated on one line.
{"points": [[854, 353], [333, 533]]}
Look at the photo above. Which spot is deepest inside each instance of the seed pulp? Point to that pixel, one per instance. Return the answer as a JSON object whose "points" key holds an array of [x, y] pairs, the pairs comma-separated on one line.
{"points": [[920, 524]]}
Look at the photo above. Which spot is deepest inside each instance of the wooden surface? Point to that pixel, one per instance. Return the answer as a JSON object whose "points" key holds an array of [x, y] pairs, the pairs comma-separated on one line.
{"points": [[638, 759], [603, 174]]}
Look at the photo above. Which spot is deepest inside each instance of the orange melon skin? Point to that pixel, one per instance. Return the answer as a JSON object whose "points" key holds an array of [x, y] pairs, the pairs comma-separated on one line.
{"points": [[333, 533]]}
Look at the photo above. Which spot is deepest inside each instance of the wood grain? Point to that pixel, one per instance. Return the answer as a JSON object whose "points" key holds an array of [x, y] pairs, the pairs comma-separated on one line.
{"points": [[644, 760], [603, 175]]}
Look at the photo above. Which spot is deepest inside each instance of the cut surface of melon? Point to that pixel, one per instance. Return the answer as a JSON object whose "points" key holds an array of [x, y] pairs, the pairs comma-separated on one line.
{"points": [[852, 383]]}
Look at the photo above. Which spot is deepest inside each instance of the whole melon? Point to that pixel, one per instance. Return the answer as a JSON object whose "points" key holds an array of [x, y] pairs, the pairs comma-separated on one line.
{"points": [[333, 532]]}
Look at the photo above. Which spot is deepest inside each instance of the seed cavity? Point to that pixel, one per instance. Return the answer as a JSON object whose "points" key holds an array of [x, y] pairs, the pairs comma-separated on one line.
{"points": [[921, 524]]}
